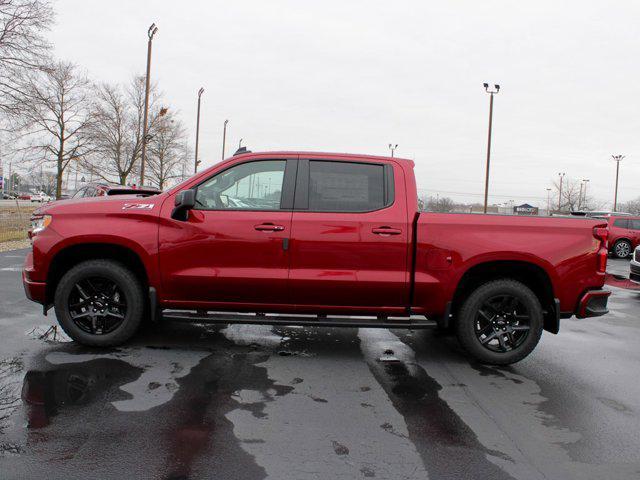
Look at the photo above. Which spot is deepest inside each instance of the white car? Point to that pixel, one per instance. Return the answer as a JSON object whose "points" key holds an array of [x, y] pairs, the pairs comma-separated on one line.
{"points": [[41, 197], [634, 274]]}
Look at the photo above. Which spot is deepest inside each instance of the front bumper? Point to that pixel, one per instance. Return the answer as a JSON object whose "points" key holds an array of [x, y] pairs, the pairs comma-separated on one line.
{"points": [[634, 274], [35, 291], [593, 304]]}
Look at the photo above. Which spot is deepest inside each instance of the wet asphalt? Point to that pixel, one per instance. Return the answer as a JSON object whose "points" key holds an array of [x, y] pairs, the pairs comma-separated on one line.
{"points": [[187, 401]]}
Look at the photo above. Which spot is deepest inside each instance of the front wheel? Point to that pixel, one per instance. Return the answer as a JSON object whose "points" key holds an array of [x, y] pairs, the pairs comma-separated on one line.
{"points": [[99, 303], [622, 248], [500, 322]]}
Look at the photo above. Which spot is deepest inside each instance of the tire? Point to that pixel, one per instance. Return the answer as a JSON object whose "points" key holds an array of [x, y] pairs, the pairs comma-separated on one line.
{"points": [[470, 320], [129, 293], [622, 249]]}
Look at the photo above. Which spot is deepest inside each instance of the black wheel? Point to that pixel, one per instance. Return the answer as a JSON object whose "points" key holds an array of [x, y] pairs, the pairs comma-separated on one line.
{"points": [[99, 303], [500, 322], [622, 249]]}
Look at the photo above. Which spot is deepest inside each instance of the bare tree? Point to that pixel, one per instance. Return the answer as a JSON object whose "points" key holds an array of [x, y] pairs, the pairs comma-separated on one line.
{"points": [[439, 204], [632, 206], [56, 116], [117, 131], [42, 180], [166, 150], [573, 197], [23, 48]]}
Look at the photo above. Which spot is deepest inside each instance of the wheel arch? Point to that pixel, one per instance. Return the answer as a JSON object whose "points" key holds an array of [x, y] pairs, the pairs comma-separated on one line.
{"points": [[527, 273], [72, 255]]}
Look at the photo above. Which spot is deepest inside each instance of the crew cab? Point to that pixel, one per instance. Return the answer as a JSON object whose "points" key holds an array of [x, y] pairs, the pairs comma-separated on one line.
{"points": [[312, 239]]}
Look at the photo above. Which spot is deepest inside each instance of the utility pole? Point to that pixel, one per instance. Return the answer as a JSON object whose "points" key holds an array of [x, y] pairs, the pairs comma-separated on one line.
{"points": [[617, 159], [486, 180], [561, 175], [548, 201], [151, 32], [584, 193], [580, 195], [393, 147], [196, 163], [224, 138]]}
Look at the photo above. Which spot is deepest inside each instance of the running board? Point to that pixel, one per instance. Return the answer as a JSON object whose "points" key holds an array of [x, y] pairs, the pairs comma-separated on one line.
{"points": [[297, 320]]}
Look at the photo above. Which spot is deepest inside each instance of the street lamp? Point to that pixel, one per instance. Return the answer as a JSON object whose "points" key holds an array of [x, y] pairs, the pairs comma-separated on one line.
{"points": [[491, 92], [393, 147], [617, 159], [197, 162], [548, 201], [151, 32], [224, 137], [561, 175], [584, 193]]}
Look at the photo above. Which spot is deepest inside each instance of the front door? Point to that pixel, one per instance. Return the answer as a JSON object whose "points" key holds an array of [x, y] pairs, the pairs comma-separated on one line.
{"points": [[234, 246], [350, 237]]}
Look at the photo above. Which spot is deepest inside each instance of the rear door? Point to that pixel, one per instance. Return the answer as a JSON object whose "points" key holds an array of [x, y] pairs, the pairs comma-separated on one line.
{"points": [[350, 235], [234, 246]]}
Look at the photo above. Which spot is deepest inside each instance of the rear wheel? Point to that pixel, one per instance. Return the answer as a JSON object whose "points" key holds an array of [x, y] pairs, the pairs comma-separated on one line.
{"points": [[99, 303], [500, 322], [622, 248]]}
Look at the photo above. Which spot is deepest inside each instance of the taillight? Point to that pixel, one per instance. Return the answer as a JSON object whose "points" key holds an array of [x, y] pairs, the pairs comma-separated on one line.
{"points": [[602, 234]]}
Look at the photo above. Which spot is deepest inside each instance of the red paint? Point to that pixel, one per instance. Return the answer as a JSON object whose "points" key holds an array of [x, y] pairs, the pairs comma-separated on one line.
{"points": [[617, 233], [351, 263]]}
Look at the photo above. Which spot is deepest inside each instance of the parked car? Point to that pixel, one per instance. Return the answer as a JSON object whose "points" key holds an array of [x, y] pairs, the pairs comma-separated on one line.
{"points": [[106, 189], [24, 196], [310, 233], [634, 274], [41, 197], [9, 196], [624, 234]]}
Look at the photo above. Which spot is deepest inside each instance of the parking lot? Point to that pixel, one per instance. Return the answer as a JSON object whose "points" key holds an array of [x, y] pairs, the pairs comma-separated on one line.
{"points": [[251, 402]]}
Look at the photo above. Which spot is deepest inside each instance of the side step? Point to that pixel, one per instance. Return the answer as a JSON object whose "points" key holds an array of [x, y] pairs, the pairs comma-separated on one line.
{"points": [[297, 320]]}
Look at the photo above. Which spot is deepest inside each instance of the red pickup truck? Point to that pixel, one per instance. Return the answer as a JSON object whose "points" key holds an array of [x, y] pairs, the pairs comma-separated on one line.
{"points": [[312, 238]]}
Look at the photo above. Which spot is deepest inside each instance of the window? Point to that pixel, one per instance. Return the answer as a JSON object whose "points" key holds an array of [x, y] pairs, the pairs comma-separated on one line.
{"points": [[621, 223], [248, 186], [634, 224], [346, 187]]}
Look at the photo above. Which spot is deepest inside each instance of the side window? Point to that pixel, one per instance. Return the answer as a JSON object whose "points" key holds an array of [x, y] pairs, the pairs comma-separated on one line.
{"points": [[634, 224], [621, 223], [248, 186], [346, 187]]}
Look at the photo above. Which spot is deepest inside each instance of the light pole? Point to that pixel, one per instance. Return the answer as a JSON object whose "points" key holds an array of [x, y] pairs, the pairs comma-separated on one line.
{"points": [[580, 195], [584, 193], [224, 137], [561, 175], [393, 147], [486, 180], [197, 162], [151, 32], [617, 159], [548, 201]]}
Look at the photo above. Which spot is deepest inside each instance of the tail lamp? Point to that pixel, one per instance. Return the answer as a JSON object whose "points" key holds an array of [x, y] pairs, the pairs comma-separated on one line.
{"points": [[602, 234]]}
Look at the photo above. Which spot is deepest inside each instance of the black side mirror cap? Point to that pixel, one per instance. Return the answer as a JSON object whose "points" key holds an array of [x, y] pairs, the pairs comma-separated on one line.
{"points": [[185, 201]]}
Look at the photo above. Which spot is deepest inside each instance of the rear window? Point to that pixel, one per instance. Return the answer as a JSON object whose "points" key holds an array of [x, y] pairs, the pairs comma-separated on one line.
{"points": [[346, 187], [634, 224]]}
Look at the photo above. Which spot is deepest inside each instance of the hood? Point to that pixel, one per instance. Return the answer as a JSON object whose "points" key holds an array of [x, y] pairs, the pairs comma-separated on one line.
{"points": [[102, 205]]}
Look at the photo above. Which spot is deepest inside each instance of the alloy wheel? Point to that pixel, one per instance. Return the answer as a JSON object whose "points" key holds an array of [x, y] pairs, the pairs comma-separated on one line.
{"points": [[97, 305], [502, 323]]}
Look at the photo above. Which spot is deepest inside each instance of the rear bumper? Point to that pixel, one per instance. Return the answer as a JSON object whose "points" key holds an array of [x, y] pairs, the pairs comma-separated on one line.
{"points": [[634, 274], [593, 304]]}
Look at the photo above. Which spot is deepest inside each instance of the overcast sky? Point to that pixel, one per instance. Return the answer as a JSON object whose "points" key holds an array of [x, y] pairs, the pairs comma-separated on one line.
{"points": [[353, 76]]}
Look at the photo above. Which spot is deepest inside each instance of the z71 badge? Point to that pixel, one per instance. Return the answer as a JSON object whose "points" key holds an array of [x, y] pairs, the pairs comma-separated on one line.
{"points": [[138, 206]]}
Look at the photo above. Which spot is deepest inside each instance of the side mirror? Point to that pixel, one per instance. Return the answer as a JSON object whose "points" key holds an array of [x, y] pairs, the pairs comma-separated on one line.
{"points": [[185, 201]]}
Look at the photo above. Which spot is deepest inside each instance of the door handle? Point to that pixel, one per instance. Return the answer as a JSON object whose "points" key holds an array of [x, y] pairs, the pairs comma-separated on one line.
{"points": [[268, 227], [386, 231]]}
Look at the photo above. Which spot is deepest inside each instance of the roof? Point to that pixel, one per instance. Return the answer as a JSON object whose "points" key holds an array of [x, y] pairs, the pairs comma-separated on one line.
{"points": [[328, 155]]}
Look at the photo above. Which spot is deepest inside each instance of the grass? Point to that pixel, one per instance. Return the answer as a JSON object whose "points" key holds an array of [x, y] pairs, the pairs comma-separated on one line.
{"points": [[14, 222]]}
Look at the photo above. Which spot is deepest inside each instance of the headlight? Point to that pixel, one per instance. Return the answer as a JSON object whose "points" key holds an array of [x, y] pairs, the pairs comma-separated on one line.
{"points": [[39, 223]]}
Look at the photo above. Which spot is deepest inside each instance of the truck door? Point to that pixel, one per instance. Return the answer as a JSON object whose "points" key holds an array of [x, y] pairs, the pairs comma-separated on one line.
{"points": [[234, 245], [350, 235]]}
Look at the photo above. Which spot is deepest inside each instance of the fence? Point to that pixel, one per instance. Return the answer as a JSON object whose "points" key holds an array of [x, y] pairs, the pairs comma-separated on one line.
{"points": [[14, 220]]}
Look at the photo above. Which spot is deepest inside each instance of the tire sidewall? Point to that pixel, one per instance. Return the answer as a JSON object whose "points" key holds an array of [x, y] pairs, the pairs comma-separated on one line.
{"points": [[126, 282], [465, 322]]}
